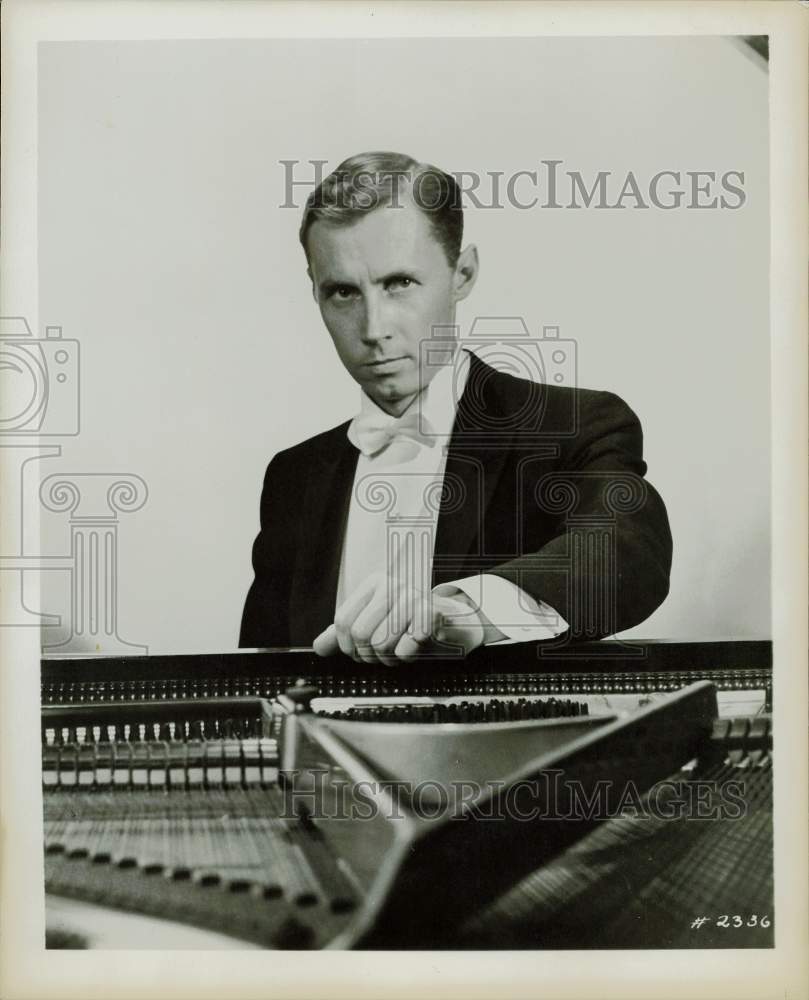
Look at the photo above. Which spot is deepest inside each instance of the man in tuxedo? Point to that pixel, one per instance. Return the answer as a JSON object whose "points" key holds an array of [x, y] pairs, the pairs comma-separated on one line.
{"points": [[461, 506]]}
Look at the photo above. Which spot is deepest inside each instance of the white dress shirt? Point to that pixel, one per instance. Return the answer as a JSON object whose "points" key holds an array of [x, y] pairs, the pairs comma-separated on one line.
{"points": [[393, 512]]}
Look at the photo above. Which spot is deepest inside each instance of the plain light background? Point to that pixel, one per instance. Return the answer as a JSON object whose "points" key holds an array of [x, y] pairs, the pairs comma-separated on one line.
{"points": [[162, 249]]}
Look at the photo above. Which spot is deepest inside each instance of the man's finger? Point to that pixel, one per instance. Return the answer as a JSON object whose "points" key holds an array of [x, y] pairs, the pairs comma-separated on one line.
{"points": [[409, 647], [420, 618], [391, 629], [347, 613], [366, 624], [326, 643], [457, 626], [418, 634]]}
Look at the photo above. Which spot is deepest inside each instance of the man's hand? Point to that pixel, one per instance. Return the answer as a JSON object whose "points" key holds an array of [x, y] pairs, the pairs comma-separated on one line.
{"points": [[385, 622]]}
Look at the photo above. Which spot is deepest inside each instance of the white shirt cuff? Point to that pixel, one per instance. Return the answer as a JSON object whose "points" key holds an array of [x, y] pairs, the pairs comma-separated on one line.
{"points": [[508, 607]]}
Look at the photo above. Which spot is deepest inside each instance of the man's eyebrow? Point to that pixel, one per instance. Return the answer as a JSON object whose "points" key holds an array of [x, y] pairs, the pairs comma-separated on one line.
{"points": [[330, 284], [398, 272]]}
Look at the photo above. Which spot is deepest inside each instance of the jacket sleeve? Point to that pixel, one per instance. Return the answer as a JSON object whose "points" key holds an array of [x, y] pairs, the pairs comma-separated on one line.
{"points": [[606, 565], [265, 619]]}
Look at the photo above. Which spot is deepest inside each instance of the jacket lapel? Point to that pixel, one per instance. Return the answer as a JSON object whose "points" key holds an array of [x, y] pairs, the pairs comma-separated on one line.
{"points": [[482, 438], [325, 512]]}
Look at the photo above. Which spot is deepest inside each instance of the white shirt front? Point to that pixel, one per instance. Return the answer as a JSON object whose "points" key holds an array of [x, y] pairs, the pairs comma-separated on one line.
{"points": [[393, 512]]}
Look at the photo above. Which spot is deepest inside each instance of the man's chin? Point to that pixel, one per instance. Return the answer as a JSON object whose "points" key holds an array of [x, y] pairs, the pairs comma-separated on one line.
{"points": [[390, 392], [390, 386]]}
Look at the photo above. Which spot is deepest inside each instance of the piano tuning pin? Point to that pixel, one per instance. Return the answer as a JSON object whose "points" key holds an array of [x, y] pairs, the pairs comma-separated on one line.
{"points": [[293, 935], [342, 904], [305, 899], [302, 694]]}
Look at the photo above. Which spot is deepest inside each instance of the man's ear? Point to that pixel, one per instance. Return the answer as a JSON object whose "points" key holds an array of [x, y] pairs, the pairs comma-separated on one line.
{"points": [[466, 272]]}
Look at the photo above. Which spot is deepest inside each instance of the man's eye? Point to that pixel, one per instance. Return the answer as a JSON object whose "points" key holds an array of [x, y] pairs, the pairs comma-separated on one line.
{"points": [[400, 282], [343, 293]]}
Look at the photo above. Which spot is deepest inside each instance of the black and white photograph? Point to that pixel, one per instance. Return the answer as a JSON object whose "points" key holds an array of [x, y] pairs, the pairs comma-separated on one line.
{"points": [[403, 439]]}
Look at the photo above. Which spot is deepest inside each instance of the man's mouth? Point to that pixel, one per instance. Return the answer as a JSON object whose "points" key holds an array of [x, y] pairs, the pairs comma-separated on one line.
{"points": [[383, 362]]}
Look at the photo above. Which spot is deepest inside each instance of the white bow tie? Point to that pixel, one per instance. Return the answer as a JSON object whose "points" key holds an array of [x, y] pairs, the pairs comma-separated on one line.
{"points": [[373, 432]]}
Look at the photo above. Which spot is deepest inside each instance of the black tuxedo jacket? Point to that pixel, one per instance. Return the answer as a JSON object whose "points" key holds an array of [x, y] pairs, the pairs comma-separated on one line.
{"points": [[544, 486]]}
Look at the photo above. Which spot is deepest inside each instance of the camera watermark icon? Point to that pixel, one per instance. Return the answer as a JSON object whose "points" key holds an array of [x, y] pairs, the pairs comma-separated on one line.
{"points": [[40, 381], [39, 397], [504, 344]]}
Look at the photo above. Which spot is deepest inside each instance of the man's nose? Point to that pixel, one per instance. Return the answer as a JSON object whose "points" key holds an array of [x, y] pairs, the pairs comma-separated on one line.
{"points": [[376, 326]]}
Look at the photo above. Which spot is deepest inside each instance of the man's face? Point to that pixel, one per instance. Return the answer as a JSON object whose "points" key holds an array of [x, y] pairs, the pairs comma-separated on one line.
{"points": [[382, 284]]}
